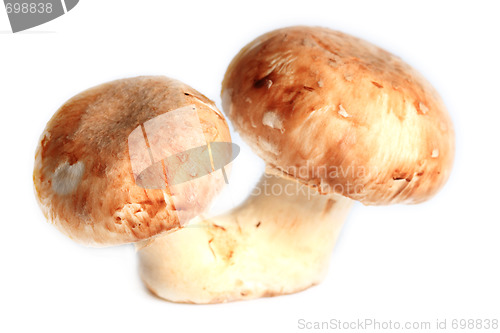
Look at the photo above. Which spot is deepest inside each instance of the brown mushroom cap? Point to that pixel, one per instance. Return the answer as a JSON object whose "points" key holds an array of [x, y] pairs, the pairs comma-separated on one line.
{"points": [[340, 114], [84, 177]]}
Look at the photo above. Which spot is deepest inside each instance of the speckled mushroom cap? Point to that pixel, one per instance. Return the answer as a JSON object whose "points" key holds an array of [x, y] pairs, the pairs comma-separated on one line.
{"points": [[340, 114], [84, 166]]}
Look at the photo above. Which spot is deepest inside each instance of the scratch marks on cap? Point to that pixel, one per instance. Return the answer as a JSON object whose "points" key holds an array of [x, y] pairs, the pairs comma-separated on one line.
{"points": [[273, 120], [67, 177], [343, 112], [421, 108]]}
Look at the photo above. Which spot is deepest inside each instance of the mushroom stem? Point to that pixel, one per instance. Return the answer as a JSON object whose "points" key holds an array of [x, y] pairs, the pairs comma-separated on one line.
{"points": [[279, 241]]}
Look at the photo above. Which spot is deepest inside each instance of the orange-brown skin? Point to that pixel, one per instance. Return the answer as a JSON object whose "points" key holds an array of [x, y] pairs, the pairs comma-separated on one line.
{"points": [[309, 99], [106, 206]]}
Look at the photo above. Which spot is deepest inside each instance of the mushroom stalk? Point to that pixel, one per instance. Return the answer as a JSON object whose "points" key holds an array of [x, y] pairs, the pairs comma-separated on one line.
{"points": [[279, 241]]}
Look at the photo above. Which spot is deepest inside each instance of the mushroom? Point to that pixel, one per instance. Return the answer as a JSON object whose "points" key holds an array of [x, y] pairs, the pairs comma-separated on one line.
{"points": [[336, 119], [123, 161]]}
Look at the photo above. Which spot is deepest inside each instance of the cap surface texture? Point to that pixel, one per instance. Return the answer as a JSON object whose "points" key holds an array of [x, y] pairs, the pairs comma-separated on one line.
{"points": [[86, 162], [340, 114]]}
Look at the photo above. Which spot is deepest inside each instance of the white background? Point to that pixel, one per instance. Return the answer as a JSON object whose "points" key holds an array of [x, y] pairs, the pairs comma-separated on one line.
{"points": [[436, 260]]}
